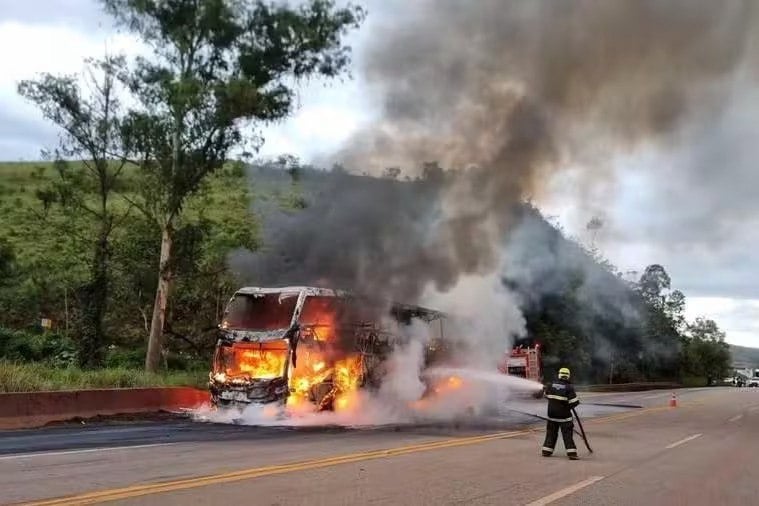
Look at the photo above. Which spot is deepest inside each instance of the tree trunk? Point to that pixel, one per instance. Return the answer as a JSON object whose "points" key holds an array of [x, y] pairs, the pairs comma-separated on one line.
{"points": [[155, 342], [93, 300], [66, 309]]}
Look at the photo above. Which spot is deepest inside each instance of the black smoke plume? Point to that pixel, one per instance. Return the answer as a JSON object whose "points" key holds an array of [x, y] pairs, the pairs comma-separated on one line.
{"points": [[505, 95]]}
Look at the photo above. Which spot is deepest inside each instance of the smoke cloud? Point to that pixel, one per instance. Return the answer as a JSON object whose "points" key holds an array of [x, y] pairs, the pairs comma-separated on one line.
{"points": [[520, 86], [486, 104], [505, 94], [550, 96]]}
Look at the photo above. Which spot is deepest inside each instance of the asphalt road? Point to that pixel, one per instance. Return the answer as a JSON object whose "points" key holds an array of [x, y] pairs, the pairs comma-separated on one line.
{"points": [[702, 452]]}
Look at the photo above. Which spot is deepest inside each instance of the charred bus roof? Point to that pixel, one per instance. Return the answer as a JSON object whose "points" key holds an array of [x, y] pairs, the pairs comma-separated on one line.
{"points": [[398, 310], [295, 290]]}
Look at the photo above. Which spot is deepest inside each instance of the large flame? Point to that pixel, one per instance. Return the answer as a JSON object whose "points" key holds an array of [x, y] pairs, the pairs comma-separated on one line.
{"points": [[437, 388], [316, 376], [324, 373], [259, 360]]}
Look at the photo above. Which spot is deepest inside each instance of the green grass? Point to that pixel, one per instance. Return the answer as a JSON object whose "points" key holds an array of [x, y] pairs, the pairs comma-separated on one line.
{"points": [[35, 377], [226, 198]]}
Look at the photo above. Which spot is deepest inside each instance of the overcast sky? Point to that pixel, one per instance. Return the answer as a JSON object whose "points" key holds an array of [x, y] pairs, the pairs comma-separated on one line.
{"points": [[712, 260]]}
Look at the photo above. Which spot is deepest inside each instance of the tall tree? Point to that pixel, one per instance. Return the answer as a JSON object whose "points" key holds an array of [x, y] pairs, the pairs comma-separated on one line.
{"points": [[706, 330], [707, 353], [653, 282], [216, 65], [674, 308], [88, 113]]}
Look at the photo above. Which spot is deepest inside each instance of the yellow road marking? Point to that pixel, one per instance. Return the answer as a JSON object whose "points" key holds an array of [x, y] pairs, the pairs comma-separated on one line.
{"points": [[139, 490], [183, 484]]}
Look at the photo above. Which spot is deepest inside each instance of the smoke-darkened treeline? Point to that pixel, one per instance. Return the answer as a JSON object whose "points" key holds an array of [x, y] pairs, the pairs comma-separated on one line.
{"points": [[585, 315], [357, 232]]}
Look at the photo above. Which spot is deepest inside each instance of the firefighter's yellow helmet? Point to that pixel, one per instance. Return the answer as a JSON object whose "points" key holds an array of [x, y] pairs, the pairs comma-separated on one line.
{"points": [[564, 373]]}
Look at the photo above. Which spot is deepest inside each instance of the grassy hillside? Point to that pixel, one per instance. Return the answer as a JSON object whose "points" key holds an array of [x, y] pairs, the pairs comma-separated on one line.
{"points": [[52, 249], [744, 356], [23, 218]]}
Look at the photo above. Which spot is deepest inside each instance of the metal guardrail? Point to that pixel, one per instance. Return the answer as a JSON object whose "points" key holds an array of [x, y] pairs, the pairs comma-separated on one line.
{"points": [[627, 387]]}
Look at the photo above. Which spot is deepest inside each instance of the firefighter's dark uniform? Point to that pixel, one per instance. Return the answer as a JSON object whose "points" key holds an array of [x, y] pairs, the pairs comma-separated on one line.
{"points": [[561, 399]]}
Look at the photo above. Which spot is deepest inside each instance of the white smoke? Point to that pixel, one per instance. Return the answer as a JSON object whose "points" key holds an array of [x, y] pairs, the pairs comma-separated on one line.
{"points": [[402, 380], [486, 318]]}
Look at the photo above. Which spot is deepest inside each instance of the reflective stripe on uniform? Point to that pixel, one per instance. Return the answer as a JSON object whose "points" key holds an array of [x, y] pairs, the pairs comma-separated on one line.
{"points": [[571, 450], [573, 400], [547, 449], [560, 419], [557, 397]]}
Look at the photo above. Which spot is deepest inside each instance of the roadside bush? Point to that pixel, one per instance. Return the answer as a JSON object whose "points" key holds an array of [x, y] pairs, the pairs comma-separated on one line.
{"points": [[40, 377], [186, 362], [23, 346], [132, 358]]}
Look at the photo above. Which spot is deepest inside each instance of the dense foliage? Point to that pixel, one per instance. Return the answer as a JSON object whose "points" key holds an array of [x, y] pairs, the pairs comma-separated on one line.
{"points": [[45, 264], [215, 67], [637, 334]]}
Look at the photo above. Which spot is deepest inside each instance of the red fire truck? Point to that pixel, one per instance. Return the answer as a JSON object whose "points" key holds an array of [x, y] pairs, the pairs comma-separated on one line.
{"points": [[524, 362]]}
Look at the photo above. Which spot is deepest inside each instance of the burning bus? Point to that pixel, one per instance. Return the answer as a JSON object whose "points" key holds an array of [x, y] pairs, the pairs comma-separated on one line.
{"points": [[314, 347], [296, 345]]}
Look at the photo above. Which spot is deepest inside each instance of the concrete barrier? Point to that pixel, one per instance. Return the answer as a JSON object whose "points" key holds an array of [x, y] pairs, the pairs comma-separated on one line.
{"points": [[34, 409], [627, 387]]}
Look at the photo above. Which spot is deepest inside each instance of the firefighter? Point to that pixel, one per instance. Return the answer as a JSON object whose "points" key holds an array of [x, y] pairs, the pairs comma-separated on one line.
{"points": [[561, 400]]}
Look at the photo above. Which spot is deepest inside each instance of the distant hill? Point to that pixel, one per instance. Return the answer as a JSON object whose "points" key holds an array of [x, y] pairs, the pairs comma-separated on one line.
{"points": [[744, 356]]}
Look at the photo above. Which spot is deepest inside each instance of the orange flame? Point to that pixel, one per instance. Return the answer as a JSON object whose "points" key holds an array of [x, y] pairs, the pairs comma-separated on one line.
{"points": [[435, 390], [265, 360], [323, 371], [314, 372], [341, 404], [451, 383]]}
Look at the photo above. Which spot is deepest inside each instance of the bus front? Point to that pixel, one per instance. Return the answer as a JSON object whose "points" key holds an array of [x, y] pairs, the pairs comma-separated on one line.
{"points": [[252, 353]]}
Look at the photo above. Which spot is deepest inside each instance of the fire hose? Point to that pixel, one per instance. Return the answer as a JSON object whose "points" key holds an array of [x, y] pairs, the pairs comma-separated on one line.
{"points": [[580, 433], [541, 418], [584, 438]]}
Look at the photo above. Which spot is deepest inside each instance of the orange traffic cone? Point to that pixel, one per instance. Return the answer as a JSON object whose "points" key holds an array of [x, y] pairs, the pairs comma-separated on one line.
{"points": [[673, 401]]}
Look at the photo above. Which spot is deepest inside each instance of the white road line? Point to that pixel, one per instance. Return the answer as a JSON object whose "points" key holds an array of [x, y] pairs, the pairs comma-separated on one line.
{"points": [[74, 452], [683, 441], [754, 409], [566, 491], [735, 418]]}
